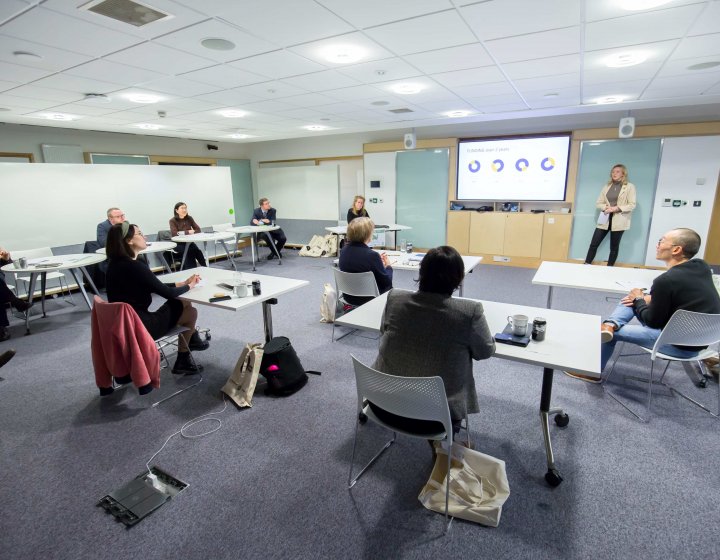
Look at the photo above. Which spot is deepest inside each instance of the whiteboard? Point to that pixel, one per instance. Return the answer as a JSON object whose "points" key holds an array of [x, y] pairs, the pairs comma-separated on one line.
{"points": [[301, 193], [57, 204]]}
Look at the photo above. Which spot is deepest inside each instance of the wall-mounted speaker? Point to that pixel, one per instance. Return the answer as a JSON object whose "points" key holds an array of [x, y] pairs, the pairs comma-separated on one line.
{"points": [[410, 141], [627, 127]]}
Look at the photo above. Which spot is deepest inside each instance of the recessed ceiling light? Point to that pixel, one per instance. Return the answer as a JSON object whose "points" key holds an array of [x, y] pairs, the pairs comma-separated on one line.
{"points": [[96, 98], [457, 114], [380, 103], [232, 113], [59, 116], [551, 94], [380, 72], [315, 127], [407, 89], [217, 44], [609, 99], [634, 5], [147, 126], [240, 136], [704, 65], [621, 60], [342, 54], [27, 55], [143, 98]]}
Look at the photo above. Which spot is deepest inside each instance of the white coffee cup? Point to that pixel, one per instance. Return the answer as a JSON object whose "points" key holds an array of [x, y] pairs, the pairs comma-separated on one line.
{"points": [[519, 324], [241, 290]]}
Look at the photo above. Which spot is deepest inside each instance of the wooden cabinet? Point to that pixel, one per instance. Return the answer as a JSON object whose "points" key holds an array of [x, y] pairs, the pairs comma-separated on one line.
{"points": [[458, 231], [487, 232], [509, 234], [556, 237]]}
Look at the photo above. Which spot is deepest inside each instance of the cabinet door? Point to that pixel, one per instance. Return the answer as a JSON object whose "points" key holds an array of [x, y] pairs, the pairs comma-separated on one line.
{"points": [[556, 237], [523, 235], [458, 231], [487, 232]]}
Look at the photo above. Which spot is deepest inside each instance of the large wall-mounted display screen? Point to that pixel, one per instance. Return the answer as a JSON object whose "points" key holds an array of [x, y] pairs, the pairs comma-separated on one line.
{"points": [[509, 169]]}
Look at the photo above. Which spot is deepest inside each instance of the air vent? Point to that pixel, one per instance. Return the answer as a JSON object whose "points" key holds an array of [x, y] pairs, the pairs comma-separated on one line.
{"points": [[126, 11], [401, 111]]}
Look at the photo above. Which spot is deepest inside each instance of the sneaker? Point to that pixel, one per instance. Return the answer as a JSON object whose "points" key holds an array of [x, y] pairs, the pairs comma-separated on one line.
{"points": [[197, 344], [21, 305], [582, 376], [4, 333], [271, 256], [607, 332], [185, 365]]}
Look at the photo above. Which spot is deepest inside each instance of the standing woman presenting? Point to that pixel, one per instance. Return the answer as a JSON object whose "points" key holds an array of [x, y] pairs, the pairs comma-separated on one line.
{"points": [[183, 224], [616, 203]]}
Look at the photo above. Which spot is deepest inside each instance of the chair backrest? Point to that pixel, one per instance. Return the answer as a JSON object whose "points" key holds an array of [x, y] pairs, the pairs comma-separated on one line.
{"points": [[688, 328], [164, 235], [356, 283], [33, 253], [420, 398], [221, 227]]}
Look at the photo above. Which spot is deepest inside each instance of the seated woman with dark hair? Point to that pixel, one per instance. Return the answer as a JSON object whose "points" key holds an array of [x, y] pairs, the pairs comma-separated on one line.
{"points": [[183, 223], [7, 296], [357, 256], [428, 332], [131, 281]]}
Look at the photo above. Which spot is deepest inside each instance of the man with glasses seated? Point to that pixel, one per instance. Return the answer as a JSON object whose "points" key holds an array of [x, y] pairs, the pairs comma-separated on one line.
{"points": [[686, 285], [114, 216]]}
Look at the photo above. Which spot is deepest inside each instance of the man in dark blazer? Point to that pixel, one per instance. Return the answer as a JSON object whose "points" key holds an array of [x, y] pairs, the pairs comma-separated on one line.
{"points": [[264, 215], [114, 216]]}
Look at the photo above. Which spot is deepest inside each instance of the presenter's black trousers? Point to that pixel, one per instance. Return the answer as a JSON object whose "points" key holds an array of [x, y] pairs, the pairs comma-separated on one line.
{"points": [[597, 238]]}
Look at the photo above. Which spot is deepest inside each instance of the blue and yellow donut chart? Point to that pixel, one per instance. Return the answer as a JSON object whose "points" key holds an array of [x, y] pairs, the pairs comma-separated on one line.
{"points": [[522, 164], [498, 165], [474, 166], [547, 164]]}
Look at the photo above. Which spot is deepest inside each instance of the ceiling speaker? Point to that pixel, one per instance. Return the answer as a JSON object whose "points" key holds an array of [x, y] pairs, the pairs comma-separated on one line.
{"points": [[627, 127], [410, 141]]}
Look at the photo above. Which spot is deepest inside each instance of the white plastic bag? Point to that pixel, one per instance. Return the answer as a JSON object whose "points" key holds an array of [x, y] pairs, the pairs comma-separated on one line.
{"points": [[328, 304]]}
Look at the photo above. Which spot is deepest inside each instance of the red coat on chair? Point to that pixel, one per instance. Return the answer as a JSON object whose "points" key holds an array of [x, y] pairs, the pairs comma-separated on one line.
{"points": [[121, 345]]}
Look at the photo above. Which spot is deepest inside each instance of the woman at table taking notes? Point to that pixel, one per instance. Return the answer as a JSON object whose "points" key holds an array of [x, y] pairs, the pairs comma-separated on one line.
{"points": [[358, 209], [184, 224], [357, 256], [428, 332], [131, 281], [616, 203]]}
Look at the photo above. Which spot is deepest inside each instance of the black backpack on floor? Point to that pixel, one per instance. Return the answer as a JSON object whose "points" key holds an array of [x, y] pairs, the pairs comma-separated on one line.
{"points": [[282, 368]]}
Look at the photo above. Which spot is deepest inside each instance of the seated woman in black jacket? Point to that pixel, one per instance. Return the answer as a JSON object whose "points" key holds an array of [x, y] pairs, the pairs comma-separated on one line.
{"points": [[131, 281], [357, 256], [358, 209]]}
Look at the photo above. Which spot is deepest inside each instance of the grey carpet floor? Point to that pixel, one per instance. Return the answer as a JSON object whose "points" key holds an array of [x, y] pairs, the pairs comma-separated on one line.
{"points": [[271, 482]]}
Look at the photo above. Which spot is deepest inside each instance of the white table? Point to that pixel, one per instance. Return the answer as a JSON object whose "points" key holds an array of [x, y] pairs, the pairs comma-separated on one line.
{"points": [[271, 287], [253, 232], [613, 279], [572, 341], [41, 266], [411, 261], [153, 247], [342, 230], [203, 238]]}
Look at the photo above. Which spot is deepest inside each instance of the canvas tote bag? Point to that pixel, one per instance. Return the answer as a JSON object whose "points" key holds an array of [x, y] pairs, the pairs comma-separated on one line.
{"points": [[240, 386], [478, 486]]}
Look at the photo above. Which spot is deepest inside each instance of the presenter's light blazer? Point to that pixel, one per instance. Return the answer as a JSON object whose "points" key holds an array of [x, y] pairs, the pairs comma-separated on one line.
{"points": [[626, 202]]}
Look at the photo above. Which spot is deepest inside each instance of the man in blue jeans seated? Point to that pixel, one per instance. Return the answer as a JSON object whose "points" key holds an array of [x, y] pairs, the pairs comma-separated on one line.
{"points": [[686, 285]]}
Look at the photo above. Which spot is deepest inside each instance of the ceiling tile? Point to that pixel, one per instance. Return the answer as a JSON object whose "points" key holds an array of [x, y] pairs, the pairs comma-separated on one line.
{"points": [[68, 33], [308, 100], [543, 67], [53, 95], [321, 81], [282, 22], [356, 93], [494, 20], [451, 58], [267, 106], [21, 74], [485, 75], [655, 53], [108, 71], [181, 87], [694, 84], [18, 103], [10, 8], [380, 71], [560, 97], [549, 83], [483, 90], [375, 12], [536, 45], [277, 64], [709, 20], [607, 10], [76, 84], [52, 58], [189, 40], [7, 85], [628, 90], [314, 50], [84, 109], [223, 76], [272, 90], [702, 45], [228, 97], [425, 33], [681, 67], [160, 58], [647, 27]]}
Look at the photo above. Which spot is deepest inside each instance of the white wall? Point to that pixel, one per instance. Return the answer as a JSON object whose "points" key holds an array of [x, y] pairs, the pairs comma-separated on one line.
{"points": [[684, 163], [381, 167]]}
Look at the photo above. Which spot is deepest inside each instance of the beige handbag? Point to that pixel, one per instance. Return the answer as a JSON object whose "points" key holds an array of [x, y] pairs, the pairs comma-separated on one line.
{"points": [[478, 486], [240, 385]]}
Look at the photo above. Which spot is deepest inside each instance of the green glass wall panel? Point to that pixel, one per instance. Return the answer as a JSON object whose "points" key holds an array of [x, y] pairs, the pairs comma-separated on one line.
{"points": [[421, 196], [242, 188], [642, 158], [120, 159]]}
